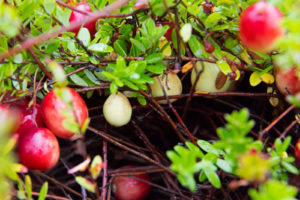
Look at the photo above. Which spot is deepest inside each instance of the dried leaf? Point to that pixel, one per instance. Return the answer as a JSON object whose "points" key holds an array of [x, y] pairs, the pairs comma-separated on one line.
{"points": [[80, 167], [187, 67], [267, 78], [19, 168], [85, 183], [220, 80], [96, 167], [273, 100]]}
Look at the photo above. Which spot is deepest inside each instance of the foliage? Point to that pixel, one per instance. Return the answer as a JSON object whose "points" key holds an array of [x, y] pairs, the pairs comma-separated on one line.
{"points": [[234, 153], [126, 52], [273, 190]]}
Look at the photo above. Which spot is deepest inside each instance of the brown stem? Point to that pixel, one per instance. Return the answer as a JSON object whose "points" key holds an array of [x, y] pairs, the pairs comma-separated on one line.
{"points": [[73, 26]]}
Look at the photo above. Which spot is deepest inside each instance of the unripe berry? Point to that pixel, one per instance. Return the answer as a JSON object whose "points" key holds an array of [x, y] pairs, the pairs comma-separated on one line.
{"points": [[171, 84], [208, 79], [117, 110]]}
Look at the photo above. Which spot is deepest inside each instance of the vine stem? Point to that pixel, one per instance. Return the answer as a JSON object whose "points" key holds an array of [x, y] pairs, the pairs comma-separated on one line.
{"points": [[74, 25]]}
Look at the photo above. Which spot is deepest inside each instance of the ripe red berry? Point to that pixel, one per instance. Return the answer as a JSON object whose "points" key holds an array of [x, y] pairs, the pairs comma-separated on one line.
{"points": [[207, 7], [140, 4], [209, 48], [131, 187], [260, 26], [288, 80], [52, 106], [12, 112], [38, 149], [30, 118], [297, 151], [76, 16], [168, 34]]}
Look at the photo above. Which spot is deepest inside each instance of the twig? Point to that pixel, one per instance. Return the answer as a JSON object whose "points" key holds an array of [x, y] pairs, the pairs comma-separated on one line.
{"points": [[267, 129], [104, 180], [106, 137], [74, 25]]}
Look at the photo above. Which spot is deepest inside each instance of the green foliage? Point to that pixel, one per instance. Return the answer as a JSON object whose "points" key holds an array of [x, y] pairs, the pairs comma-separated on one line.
{"points": [[9, 20], [274, 190], [6, 157], [133, 76], [233, 137], [185, 164], [281, 162], [233, 142], [234, 153]]}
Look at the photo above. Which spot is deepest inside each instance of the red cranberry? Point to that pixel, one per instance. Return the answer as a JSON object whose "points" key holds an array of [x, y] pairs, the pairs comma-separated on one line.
{"points": [[297, 151], [260, 26], [287, 80], [12, 111], [31, 118], [76, 16], [38, 149], [207, 8], [209, 48], [129, 187], [51, 107], [168, 34]]}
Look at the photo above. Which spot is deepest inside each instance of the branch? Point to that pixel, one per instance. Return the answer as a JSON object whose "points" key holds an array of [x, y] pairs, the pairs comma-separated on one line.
{"points": [[75, 25]]}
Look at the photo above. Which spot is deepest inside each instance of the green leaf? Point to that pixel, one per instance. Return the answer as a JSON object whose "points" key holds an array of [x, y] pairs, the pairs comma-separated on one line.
{"points": [[141, 99], [213, 19], [290, 168], [85, 125], [49, 6], [224, 165], [157, 69], [71, 126], [224, 67], [138, 44], [9, 20], [43, 191], [186, 32], [58, 72], [101, 48], [212, 177], [28, 186], [91, 76], [84, 36], [273, 190], [18, 58], [85, 183], [96, 167], [196, 47], [206, 146], [154, 58], [120, 48], [78, 80]]}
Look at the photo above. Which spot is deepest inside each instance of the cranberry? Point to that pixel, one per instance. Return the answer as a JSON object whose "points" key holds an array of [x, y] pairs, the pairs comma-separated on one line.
{"points": [[52, 106], [30, 118], [131, 187], [38, 149], [209, 48], [76, 16], [287, 80], [207, 7], [260, 26], [168, 34], [297, 151], [13, 112]]}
